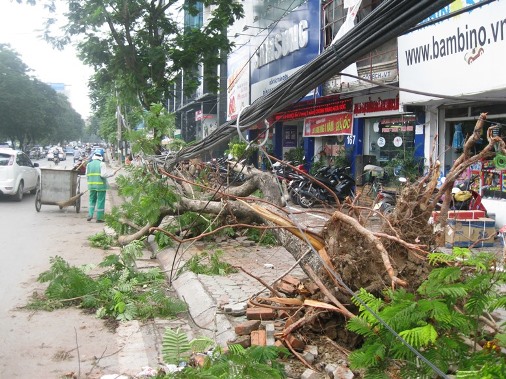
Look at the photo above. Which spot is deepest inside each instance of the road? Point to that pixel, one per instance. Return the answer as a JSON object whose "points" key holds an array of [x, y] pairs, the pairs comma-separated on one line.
{"points": [[39, 344]]}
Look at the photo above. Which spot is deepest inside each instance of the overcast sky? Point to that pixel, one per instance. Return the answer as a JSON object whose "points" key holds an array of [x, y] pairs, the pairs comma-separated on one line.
{"points": [[20, 26]]}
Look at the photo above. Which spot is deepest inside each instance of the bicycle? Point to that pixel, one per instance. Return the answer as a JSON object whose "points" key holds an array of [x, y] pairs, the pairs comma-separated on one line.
{"points": [[375, 177]]}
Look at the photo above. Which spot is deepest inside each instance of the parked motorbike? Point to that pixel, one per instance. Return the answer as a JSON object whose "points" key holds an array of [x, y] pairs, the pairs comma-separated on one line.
{"points": [[387, 199], [466, 199], [331, 182]]}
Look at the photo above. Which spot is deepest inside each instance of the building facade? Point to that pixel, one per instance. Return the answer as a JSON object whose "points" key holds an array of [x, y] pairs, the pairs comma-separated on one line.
{"points": [[459, 56]]}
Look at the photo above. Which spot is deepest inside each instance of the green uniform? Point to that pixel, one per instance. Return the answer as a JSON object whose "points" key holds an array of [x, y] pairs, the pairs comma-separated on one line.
{"points": [[97, 187]]}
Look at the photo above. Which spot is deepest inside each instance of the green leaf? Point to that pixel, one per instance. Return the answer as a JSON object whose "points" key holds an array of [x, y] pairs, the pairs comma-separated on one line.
{"points": [[421, 336], [175, 346]]}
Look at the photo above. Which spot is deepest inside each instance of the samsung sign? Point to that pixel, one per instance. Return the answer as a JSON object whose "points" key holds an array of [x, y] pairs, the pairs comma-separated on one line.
{"points": [[283, 43], [290, 44]]}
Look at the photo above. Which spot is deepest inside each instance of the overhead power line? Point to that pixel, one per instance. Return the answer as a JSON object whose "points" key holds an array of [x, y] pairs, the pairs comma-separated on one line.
{"points": [[389, 20]]}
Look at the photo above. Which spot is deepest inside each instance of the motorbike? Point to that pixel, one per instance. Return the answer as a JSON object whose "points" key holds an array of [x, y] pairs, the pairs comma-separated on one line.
{"points": [[387, 199], [292, 178], [331, 182], [464, 198], [56, 160]]}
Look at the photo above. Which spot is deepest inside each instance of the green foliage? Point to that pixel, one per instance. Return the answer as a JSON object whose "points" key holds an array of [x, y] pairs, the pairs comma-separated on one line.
{"points": [[256, 362], [406, 164], [138, 47], [102, 240], [239, 149], [295, 155], [146, 193], [175, 347], [32, 112], [66, 282], [208, 264], [263, 237], [436, 321], [121, 291], [158, 124]]}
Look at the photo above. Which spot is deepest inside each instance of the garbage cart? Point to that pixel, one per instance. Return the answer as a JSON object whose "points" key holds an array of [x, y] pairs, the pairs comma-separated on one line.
{"points": [[59, 187]]}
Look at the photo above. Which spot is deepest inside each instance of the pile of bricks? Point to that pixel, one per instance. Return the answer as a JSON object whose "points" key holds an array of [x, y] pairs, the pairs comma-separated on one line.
{"points": [[266, 326], [264, 323]]}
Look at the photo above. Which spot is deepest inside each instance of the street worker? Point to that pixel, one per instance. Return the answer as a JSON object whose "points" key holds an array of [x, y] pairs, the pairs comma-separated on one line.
{"points": [[96, 174]]}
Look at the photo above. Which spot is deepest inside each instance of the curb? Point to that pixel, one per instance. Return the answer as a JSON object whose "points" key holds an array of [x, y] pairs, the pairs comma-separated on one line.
{"points": [[203, 310]]}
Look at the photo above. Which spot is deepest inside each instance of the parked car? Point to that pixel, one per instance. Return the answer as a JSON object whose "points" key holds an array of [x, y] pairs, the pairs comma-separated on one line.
{"points": [[17, 174]]}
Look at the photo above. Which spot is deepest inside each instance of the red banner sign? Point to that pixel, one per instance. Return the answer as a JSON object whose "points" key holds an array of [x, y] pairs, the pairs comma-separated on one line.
{"points": [[329, 125]]}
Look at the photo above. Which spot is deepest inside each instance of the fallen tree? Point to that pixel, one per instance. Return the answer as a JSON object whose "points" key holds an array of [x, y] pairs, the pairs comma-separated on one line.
{"points": [[346, 250], [349, 256]]}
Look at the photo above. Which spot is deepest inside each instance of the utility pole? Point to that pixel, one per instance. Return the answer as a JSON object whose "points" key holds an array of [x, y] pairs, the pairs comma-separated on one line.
{"points": [[118, 135]]}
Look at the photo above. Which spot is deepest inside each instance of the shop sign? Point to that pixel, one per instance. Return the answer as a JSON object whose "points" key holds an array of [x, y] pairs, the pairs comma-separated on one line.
{"points": [[199, 116], [291, 42], [323, 106], [398, 141], [395, 129], [379, 105], [461, 55], [329, 125], [237, 81]]}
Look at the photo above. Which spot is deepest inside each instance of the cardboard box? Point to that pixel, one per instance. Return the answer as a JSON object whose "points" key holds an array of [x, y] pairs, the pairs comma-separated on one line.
{"points": [[460, 215], [463, 233]]}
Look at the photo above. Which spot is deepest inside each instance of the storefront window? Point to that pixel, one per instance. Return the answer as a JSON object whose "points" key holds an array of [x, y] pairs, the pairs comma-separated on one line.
{"points": [[396, 137]]}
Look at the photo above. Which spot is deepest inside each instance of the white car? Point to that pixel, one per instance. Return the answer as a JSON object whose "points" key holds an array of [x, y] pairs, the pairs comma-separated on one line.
{"points": [[17, 174]]}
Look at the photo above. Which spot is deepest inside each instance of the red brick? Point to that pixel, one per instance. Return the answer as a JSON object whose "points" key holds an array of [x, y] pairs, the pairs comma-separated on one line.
{"points": [[259, 313], [296, 343], [258, 338], [278, 343], [286, 288], [247, 327]]}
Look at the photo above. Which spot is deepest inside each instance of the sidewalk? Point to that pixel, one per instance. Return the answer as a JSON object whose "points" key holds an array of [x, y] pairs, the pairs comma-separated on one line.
{"points": [[208, 297]]}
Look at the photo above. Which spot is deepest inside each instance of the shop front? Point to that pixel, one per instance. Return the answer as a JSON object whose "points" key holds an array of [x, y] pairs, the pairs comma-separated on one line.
{"points": [[391, 138], [461, 77], [321, 128]]}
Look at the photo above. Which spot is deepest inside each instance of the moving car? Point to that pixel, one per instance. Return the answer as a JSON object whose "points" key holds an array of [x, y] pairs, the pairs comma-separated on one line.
{"points": [[17, 174]]}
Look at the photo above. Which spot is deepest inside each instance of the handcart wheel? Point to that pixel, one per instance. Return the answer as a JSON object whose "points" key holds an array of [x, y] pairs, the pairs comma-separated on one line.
{"points": [[78, 204], [38, 202]]}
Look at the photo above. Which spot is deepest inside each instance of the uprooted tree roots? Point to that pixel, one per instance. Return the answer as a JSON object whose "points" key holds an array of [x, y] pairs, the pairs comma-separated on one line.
{"points": [[347, 254]]}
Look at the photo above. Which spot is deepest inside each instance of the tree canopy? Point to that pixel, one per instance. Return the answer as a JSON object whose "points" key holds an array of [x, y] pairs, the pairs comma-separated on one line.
{"points": [[138, 48], [32, 112]]}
